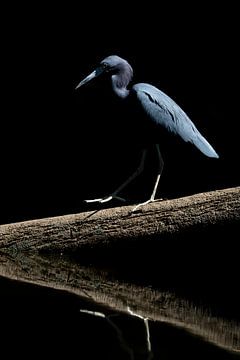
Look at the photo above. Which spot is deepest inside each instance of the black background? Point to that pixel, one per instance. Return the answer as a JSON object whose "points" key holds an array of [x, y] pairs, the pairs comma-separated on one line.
{"points": [[58, 144]]}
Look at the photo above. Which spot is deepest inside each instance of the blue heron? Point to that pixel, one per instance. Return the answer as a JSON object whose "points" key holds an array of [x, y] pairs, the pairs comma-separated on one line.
{"points": [[160, 110]]}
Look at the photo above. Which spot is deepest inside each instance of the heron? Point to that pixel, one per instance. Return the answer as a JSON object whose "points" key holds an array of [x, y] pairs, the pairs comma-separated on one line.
{"points": [[159, 109]]}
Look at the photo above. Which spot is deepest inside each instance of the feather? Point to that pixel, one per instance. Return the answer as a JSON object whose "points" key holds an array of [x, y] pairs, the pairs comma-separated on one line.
{"points": [[164, 111]]}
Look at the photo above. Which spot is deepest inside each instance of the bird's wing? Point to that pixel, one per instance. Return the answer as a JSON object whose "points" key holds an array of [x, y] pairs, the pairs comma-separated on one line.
{"points": [[164, 111]]}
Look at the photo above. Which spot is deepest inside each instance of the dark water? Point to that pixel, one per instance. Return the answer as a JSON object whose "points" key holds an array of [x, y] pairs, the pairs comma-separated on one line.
{"points": [[44, 322], [93, 306]]}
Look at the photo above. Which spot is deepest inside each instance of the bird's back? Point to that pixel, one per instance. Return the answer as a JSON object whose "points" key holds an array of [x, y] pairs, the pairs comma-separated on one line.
{"points": [[164, 111]]}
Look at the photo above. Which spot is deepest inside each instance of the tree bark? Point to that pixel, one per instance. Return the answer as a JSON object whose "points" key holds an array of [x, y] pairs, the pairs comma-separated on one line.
{"points": [[108, 227]]}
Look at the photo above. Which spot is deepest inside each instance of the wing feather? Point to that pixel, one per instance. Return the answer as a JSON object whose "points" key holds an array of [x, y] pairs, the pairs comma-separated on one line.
{"points": [[164, 111]]}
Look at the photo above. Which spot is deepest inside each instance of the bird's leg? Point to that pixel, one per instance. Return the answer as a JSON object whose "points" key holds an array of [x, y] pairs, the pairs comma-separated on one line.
{"points": [[159, 173], [122, 186], [160, 169]]}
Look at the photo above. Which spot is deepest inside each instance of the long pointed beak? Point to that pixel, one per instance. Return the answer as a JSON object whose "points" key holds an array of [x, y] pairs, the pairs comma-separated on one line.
{"points": [[93, 75]]}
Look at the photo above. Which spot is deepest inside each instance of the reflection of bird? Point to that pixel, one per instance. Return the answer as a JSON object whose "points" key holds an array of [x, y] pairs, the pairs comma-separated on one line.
{"points": [[159, 107]]}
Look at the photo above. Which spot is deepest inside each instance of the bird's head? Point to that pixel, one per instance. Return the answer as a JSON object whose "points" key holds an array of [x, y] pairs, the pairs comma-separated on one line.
{"points": [[112, 64]]}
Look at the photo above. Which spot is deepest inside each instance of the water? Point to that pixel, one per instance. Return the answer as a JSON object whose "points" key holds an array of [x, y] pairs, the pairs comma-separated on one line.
{"points": [[57, 306]]}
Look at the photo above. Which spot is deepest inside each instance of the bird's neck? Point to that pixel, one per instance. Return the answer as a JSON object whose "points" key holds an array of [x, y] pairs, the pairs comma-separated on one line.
{"points": [[120, 91], [121, 80]]}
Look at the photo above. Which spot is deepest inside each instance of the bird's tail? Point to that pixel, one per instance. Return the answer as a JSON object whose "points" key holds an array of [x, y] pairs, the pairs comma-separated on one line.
{"points": [[203, 145]]}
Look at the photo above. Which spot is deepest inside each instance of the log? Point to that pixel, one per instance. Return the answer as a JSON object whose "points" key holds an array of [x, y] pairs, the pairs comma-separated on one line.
{"points": [[101, 229]]}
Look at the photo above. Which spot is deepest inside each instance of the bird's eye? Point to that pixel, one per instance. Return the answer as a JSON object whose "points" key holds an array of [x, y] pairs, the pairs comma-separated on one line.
{"points": [[105, 66]]}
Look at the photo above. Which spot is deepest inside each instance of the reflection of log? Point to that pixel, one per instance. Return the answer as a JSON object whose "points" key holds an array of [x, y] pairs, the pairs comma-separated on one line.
{"points": [[104, 227], [97, 286]]}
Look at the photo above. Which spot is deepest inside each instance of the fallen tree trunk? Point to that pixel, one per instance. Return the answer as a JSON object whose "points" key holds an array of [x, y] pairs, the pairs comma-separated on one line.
{"points": [[108, 227]]}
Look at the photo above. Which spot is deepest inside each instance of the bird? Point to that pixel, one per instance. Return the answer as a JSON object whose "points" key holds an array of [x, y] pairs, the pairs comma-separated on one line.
{"points": [[159, 109]]}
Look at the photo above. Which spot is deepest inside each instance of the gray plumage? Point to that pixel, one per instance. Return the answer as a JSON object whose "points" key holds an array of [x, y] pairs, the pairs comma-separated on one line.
{"points": [[159, 107], [164, 111]]}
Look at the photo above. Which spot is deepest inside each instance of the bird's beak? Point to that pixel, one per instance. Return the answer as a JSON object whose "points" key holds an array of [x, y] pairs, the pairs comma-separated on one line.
{"points": [[93, 75]]}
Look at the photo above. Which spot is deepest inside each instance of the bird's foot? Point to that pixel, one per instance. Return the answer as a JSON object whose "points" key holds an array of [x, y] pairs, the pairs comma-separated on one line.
{"points": [[137, 207], [105, 199]]}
